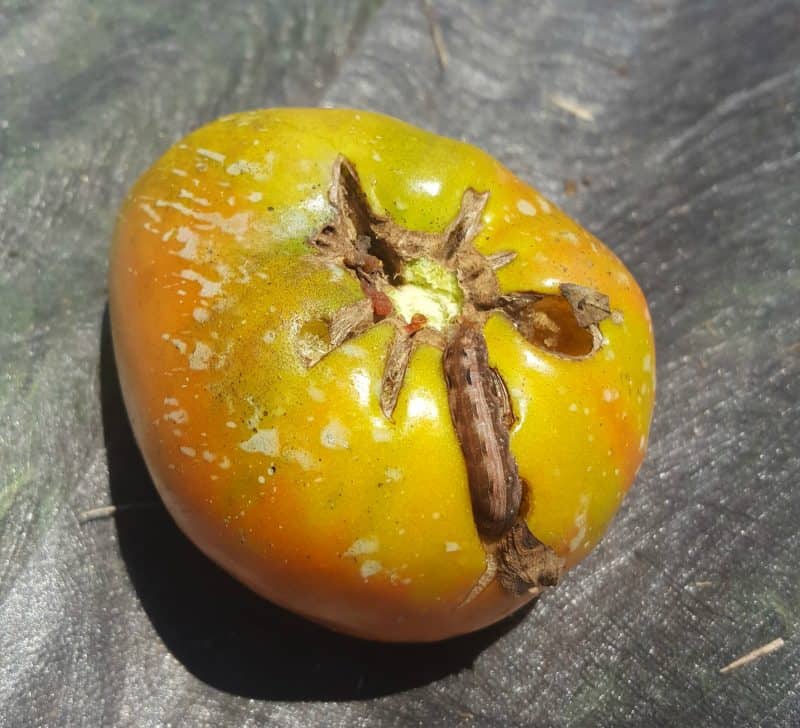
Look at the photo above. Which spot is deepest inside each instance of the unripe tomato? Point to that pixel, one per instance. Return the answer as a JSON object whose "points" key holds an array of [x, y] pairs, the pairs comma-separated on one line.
{"points": [[374, 375]]}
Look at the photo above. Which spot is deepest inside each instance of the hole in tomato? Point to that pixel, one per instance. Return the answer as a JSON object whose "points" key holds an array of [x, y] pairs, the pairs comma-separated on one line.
{"points": [[313, 340], [549, 322], [316, 329]]}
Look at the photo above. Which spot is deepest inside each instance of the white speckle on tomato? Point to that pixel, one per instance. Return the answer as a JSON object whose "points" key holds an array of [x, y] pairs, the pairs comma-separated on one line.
{"points": [[179, 345], [208, 456], [186, 195], [335, 436], [269, 337], [208, 289], [302, 457], [316, 393], [431, 187], [225, 463], [451, 546], [353, 351], [263, 441], [368, 545], [200, 314], [234, 225], [642, 443], [258, 170], [646, 363], [422, 406], [200, 357], [616, 317], [178, 416], [211, 154], [188, 451], [230, 424], [526, 208], [150, 212], [370, 568], [170, 401], [255, 197], [190, 240], [609, 395], [544, 205], [361, 383], [393, 474], [573, 407]]}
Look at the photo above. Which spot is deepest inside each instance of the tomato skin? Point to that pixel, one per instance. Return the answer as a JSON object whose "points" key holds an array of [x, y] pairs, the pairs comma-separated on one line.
{"points": [[291, 477]]}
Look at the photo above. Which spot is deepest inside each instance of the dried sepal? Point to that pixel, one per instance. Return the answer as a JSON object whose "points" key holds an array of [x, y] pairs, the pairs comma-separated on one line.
{"points": [[394, 370], [589, 306], [350, 321], [500, 260], [524, 563]]}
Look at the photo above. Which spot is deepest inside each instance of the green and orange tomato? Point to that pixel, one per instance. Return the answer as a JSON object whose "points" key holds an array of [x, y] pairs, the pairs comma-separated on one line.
{"points": [[267, 431]]}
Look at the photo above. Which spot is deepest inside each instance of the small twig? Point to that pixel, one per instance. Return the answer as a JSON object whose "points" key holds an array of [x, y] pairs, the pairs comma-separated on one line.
{"points": [[572, 107], [754, 655], [436, 34], [95, 514], [102, 512]]}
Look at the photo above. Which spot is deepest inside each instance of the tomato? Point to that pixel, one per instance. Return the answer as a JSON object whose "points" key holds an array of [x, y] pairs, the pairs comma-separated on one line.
{"points": [[374, 375]]}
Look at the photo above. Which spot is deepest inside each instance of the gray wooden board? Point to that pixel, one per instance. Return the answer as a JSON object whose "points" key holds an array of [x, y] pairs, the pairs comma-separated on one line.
{"points": [[678, 120]]}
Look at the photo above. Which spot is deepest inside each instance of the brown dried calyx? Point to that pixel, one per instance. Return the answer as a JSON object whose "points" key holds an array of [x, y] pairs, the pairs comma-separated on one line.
{"points": [[459, 293]]}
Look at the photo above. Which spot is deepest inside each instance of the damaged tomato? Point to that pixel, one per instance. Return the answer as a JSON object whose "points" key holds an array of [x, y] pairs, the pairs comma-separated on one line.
{"points": [[374, 375]]}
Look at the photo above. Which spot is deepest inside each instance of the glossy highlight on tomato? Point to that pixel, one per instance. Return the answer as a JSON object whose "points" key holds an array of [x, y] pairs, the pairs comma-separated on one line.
{"points": [[375, 376]]}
